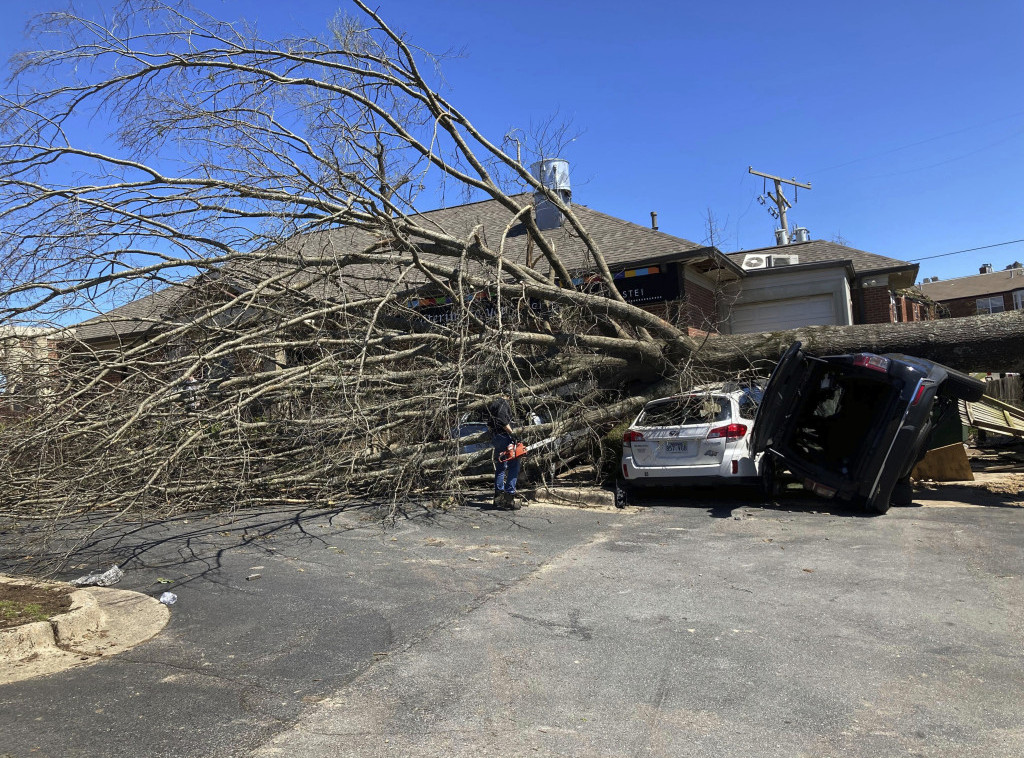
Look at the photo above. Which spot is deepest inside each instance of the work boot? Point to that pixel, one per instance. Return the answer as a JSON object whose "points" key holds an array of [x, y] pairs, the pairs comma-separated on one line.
{"points": [[499, 499], [509, 502]]}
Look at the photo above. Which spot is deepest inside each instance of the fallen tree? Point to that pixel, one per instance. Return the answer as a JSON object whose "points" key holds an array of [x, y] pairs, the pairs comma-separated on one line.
{"points": [[250, 305]]}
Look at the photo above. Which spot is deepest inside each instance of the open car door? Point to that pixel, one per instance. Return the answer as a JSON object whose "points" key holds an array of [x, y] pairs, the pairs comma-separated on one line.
{"points": [[777, 405]]}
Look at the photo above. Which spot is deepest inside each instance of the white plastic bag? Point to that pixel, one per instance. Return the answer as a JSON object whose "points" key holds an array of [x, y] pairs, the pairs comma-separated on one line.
{"points": [[168, 598], [111, 576]]}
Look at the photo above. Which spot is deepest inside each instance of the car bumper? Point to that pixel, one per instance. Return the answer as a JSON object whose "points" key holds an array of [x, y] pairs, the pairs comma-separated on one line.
{"points": [[711, 473]]}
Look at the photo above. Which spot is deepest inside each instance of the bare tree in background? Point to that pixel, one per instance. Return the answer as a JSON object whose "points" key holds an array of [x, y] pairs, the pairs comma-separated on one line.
{"points": [[247, 212]]}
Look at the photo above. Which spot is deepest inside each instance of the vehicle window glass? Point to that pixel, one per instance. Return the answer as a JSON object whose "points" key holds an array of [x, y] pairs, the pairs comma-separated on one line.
{"points": [[749, 401], [691, 409]]}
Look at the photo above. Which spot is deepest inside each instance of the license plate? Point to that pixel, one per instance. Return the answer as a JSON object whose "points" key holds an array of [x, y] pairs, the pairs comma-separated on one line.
{"points": [[677, 447]]}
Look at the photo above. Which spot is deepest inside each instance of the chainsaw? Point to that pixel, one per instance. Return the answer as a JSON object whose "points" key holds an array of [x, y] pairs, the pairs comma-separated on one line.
{"points": [[519, 450]]}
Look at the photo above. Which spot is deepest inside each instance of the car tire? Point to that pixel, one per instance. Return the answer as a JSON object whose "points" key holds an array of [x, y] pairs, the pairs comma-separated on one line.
{"points": [[876, 506], [902, 494], [623, 494]]}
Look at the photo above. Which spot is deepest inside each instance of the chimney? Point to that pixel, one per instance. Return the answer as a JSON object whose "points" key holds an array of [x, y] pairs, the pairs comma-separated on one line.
{"points": [[553, 173], [986, 268], [654, 220]]}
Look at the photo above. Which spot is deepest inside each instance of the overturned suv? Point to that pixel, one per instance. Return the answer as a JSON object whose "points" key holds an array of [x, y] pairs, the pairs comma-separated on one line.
{"points": [[852, 427]]}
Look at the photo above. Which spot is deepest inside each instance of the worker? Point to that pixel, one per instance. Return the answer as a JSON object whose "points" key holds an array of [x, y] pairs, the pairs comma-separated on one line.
{"points": [[506, 473]]}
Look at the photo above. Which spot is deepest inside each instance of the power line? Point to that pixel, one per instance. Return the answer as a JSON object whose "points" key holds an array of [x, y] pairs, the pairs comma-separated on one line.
{"points": [[968, 250]]}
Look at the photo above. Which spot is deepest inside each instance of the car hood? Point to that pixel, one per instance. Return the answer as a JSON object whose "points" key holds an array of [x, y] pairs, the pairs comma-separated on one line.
{"points": [[777, 403]]}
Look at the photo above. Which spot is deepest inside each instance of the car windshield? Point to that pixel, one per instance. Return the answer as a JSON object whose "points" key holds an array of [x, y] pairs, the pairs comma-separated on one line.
{"points": [[839, 421], [688, 409]]}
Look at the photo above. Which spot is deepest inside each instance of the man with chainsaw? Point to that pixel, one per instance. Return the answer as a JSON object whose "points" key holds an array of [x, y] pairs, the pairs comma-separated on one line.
{"points": [[506, 457]]}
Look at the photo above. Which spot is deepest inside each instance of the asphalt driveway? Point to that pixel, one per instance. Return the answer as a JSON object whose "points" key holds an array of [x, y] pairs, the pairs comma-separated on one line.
{"points": [[714, 628]]}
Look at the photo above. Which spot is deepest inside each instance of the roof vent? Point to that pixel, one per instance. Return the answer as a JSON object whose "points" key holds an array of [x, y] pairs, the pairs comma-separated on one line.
{"points": [[986, 268], [553, 173], [800, 234]]}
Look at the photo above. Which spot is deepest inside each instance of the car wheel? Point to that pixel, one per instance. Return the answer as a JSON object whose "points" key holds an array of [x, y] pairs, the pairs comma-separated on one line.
{"points": [[902, 494], [623, 493], [876, 506]]}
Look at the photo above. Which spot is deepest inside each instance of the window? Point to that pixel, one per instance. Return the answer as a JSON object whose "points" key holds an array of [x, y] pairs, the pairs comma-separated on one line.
{"points": [[1018, 300], [992, 304], [685, 410]]}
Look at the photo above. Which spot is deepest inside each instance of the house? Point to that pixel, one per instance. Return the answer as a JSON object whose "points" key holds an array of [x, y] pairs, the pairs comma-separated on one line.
{"points": [[695, 287], [816, 283], [985, 292], [672, 277]]}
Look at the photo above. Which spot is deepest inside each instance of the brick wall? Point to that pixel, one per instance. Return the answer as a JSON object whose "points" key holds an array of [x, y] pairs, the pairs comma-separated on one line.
{"points": [[700, 307], [911, 309], [968, 306], [876, 306], [695, 311]]}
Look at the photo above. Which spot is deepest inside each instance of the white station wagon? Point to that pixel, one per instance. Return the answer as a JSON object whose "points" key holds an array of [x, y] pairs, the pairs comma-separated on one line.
{"points": [[701, 437]]}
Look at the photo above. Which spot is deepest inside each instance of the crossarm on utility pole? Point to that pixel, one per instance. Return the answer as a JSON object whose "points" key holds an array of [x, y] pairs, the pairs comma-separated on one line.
{"points": [[778, 198]]}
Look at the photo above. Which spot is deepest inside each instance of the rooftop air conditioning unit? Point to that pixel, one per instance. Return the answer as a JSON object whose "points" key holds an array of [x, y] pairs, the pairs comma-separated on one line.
{"points": [[785, 260], [756, 261]]}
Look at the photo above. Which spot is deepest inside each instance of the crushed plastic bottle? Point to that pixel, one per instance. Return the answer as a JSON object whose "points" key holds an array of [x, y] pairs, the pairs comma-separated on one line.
{"points": [[111, 576], [168, 598]]}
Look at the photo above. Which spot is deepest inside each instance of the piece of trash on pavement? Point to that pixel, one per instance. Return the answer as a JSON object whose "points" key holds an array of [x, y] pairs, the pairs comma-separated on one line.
{"points": [[252, 576], [111, 576], [165, 581], [168, 598]]}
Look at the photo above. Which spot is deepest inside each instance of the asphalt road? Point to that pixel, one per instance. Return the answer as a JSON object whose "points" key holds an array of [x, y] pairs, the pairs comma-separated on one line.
{"points": [[716, 628]]}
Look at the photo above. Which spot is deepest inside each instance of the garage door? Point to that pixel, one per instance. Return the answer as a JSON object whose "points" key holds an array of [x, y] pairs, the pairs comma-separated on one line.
{"points": [[774, 315]]}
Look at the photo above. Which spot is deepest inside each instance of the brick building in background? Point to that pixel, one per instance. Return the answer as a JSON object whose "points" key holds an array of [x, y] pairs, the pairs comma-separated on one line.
{"points": [[987, 291]]}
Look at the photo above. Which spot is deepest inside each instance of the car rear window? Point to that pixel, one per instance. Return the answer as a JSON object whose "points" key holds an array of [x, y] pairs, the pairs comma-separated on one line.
{"points": [[681, 411]]}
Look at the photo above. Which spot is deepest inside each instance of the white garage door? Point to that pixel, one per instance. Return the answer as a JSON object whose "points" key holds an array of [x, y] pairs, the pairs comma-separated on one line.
{"points": [[775, 315]]}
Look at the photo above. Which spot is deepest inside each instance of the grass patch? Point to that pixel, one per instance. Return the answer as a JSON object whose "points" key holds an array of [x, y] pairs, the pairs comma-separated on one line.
{"points": [[23, 604]]}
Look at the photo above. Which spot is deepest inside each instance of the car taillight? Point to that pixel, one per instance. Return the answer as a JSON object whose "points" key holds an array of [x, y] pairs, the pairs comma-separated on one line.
{"points": [[630, 437], [731, 432], [873, 362], [918, 394], [625, 471]]}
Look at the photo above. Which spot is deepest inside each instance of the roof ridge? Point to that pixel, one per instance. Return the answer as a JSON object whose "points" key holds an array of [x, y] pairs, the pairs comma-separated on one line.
{"points": [[975, 276]]}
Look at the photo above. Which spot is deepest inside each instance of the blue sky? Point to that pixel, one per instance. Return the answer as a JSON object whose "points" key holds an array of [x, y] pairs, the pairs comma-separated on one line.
{"points": [[907, 118]]}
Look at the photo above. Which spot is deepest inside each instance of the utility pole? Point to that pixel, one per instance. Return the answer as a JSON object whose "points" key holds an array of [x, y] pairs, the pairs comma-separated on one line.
{"points": [[778, 198]]}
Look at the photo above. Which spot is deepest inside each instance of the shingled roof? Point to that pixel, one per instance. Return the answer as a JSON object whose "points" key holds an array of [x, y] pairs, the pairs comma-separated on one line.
{"points": [[822, 251], [622, 243], [978, 285]]}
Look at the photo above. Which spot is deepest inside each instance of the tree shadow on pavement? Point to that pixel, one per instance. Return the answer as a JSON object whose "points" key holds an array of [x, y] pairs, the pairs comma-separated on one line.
{"points": [[61, 549]]}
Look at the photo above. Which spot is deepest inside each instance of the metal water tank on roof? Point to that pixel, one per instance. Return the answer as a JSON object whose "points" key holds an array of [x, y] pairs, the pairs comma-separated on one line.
{"points": [[553, 173]]}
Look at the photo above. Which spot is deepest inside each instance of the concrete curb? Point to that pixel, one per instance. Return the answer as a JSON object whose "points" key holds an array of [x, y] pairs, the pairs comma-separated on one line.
{"points": [[83, 619], [101, 622]]}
